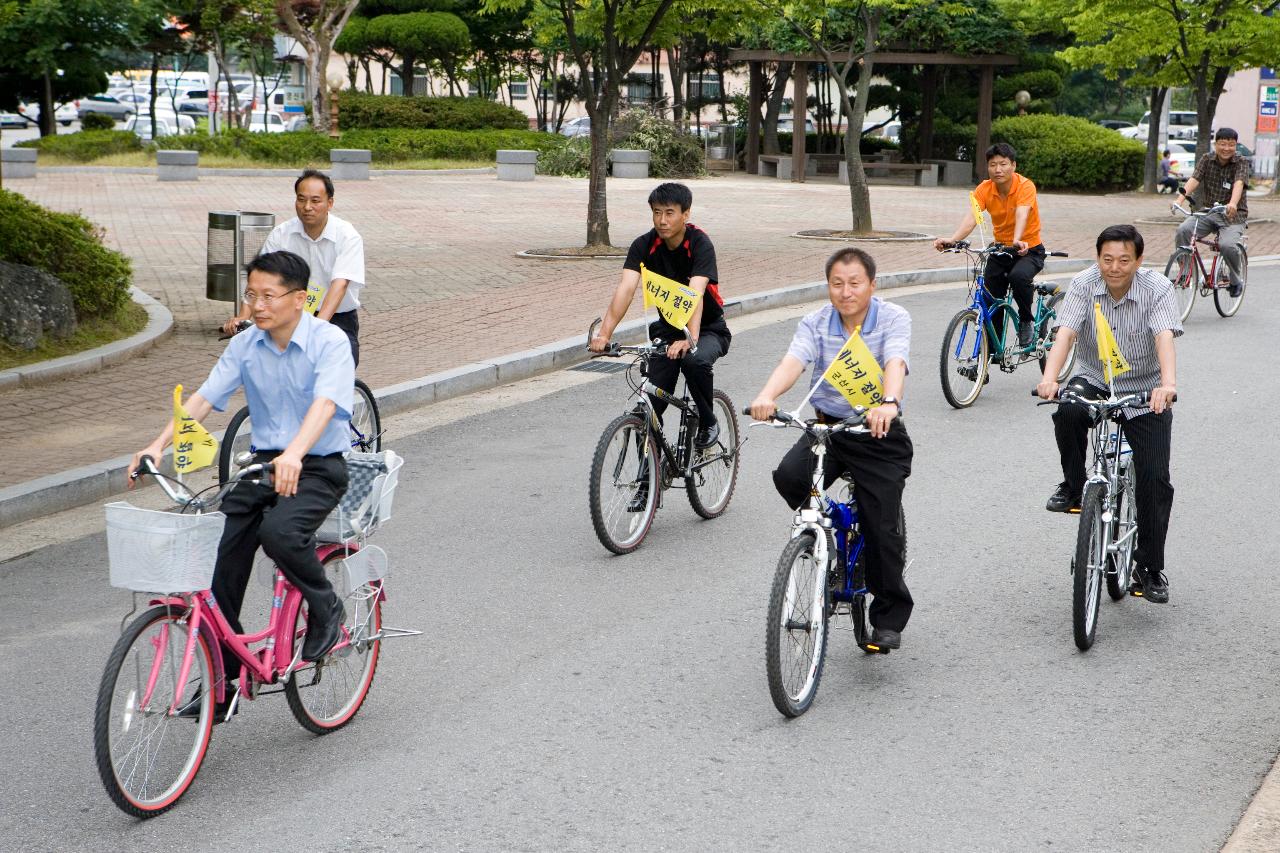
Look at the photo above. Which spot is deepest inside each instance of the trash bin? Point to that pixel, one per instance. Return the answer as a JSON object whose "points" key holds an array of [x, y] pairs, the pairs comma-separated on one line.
{"points": [[235, 236]]}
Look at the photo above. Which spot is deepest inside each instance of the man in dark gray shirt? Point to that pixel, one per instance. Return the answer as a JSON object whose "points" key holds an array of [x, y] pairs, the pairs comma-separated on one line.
{"points": [[1220, 176], [1141, 309]]}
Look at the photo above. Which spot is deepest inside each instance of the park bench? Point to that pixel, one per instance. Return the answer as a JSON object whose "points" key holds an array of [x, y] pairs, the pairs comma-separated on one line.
{"points": [[925, 174]]}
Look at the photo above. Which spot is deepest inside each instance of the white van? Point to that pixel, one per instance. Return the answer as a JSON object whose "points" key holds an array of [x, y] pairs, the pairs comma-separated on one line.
{"points": [[1183, 124]]}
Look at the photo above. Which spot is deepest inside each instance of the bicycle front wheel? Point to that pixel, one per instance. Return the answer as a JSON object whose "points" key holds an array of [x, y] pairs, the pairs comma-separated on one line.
{"points": [[1183, 271], [1227, 304], [624, 484], [325, 695], [1121, 569], [796, 632], [237, 439], [148, 756], [963, 363], [366, 422], [710, 487], [1089, 567], [1048, 333]]}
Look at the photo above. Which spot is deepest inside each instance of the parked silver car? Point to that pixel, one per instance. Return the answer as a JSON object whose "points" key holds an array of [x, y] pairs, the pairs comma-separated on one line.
{"points": [[119, 108]]}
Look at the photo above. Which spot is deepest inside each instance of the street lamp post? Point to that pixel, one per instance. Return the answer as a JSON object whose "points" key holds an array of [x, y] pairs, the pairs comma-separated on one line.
{"points": [[335, 84], [1022, 98]]}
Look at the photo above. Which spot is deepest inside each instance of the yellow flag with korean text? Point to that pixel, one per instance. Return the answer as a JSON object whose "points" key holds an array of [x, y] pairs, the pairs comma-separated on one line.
{"points": [[674, 301], [193, 447], [977, 217], [856, 374], [1108, 349]]}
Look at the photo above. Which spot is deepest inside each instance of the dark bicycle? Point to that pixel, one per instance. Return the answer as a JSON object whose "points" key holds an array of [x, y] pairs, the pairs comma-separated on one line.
{"points": [[635, 462]]}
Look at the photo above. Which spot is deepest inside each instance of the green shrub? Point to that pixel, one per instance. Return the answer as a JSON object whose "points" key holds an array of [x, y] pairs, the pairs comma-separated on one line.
{"points": [[571, 158], [672, 154], [86, 145], [359, 111], [69, 247], [1065, 152], [479, 145], [286, 149], [97, 121]]}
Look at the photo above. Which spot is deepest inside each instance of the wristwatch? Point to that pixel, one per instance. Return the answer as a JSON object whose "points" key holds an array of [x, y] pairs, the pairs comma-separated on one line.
{"points": [[893, 400]]}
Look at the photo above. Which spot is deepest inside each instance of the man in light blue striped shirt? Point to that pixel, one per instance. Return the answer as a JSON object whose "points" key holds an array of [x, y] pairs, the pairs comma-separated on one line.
{"points": [[1140, 307], [880, 462]]}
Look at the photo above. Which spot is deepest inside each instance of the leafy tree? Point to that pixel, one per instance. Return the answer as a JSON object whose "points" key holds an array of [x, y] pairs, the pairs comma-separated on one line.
{"points": [[414, 32], [316, 24], [605, 38]]}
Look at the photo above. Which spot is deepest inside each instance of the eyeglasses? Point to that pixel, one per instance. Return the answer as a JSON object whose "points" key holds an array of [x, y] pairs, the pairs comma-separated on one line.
{"points": [[251, 298]]}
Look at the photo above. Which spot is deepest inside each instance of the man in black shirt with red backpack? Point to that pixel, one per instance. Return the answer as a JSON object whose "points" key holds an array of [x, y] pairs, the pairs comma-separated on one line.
{"points": [[682, 252]]}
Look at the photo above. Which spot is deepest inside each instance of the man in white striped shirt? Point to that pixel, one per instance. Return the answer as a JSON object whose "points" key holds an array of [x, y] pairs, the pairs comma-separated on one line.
{"points": [[880, 461], [1141, 309]]}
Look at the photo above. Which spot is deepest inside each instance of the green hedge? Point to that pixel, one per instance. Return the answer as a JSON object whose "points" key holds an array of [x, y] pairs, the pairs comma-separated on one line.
{"points": [[388, 146], [359, 111], [97, 121], [85, 145], [69, 247], [1065, 152]]}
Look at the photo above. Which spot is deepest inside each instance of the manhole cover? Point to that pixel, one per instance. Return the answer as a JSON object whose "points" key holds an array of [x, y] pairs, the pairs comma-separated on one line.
{"points": [[873, 237], [601, 366]]}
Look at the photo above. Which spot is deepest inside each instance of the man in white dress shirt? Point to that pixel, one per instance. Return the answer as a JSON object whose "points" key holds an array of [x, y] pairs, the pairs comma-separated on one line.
{"points": [[332, 248]]}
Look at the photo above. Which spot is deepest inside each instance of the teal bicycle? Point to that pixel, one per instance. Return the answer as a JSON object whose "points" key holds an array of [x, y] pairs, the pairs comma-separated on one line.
{"points": [[985, 333]]}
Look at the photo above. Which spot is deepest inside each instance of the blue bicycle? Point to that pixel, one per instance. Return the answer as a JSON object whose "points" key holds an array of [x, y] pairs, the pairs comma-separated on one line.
{"points": [[820, 574], [976, 336]]}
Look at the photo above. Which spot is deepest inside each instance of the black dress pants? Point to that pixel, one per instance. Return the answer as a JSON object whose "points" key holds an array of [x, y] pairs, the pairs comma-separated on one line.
{"points": [[285, 527], [1150, 438], [349, 322], [880, 467], [1018, 271], [698, 373]]}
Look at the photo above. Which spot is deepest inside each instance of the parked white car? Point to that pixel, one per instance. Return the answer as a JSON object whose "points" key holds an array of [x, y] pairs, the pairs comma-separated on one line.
{"points": [[167, 124], [63, 114], [580, 126], [271, 123], [1182, 125]]}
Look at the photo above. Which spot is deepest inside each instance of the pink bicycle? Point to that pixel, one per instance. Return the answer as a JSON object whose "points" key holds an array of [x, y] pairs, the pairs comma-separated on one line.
{"points": [[167, 673]]}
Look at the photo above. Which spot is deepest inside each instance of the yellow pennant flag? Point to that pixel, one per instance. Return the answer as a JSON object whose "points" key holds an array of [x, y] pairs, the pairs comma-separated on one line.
{"points": [[1108, 349], [193, 447], [674, 301], [977, 217], [856, 374]]}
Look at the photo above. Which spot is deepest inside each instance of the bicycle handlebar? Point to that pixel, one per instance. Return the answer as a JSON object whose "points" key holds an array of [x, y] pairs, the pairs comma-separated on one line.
{"points": [[854, 423], [240, 327], [1208, 211], [614, 350], [1133, 398], [147, 465]]}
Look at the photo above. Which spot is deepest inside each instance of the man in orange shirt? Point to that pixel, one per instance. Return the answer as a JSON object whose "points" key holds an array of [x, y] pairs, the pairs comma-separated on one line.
{"points": [[1011, 200]]}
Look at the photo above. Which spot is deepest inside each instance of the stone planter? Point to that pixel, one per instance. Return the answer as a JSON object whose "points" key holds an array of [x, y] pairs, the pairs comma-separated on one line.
{"points": [[177, 165], [350, 164], [515, 164], [18, 162], [630, 164]]}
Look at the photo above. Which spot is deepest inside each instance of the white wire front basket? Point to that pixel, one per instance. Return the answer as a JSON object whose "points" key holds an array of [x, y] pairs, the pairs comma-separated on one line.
{"points": [[153, 551], [366, 505]]}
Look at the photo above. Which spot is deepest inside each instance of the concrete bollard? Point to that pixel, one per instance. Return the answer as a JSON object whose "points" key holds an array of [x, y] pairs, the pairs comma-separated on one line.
{"points": [[350, 164], [18, 162], [515, 164], [630, 163], [177, 165]]}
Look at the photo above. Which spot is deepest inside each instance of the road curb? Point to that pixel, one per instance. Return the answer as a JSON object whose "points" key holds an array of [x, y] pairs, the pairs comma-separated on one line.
{"points": [[209, 172], [159, 326]]}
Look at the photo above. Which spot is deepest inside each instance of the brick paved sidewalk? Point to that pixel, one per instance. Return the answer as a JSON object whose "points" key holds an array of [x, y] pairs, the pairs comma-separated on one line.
{"points": [[446, 288]]}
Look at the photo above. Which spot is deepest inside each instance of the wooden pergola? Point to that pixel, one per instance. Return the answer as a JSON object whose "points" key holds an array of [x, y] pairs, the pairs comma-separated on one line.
{"points": [[800, 79]]}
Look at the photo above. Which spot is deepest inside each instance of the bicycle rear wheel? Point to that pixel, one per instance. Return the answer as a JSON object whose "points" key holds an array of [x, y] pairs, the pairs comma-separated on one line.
{"points": [[1088, 568], [326, 694], [237, 439], [1227, 304], [1183, 271], [1049, 333], [1120, 570], [366, 421], [963, 363], [711, 486], [623, 492], [796, 631], [146, 756]]}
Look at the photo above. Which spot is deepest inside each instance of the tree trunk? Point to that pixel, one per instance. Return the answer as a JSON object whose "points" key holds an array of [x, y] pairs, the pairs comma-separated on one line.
{"points": [[47, 124], [405, 72], [773, 108], [855, 109], [597, 201], [154, 95], [675, 66], [1151, 160]]}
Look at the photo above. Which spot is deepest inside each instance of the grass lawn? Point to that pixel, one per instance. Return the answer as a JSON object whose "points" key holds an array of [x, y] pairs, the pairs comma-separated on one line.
{"points": [[89, 334], [146, 159]]}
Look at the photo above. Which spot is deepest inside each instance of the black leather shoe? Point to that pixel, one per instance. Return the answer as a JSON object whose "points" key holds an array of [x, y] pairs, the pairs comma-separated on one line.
{"points": [[220, 709], [707, 436], [1234, 290], [640, 499], [886, 639], [323, 634], [971, 373], [1062, 500], [1150, 585], [1026, 333]]}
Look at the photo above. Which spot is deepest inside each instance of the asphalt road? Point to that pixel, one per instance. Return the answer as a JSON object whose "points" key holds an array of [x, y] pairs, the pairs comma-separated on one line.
{"points": [[566, 699]]}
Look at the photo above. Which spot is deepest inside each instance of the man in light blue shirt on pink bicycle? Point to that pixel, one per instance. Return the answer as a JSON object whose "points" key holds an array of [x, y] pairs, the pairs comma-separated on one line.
{"points": [[298, 374]]}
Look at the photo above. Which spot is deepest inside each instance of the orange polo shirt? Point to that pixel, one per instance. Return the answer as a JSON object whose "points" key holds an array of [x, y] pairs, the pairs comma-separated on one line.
{"points": [[1003, 208]]}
